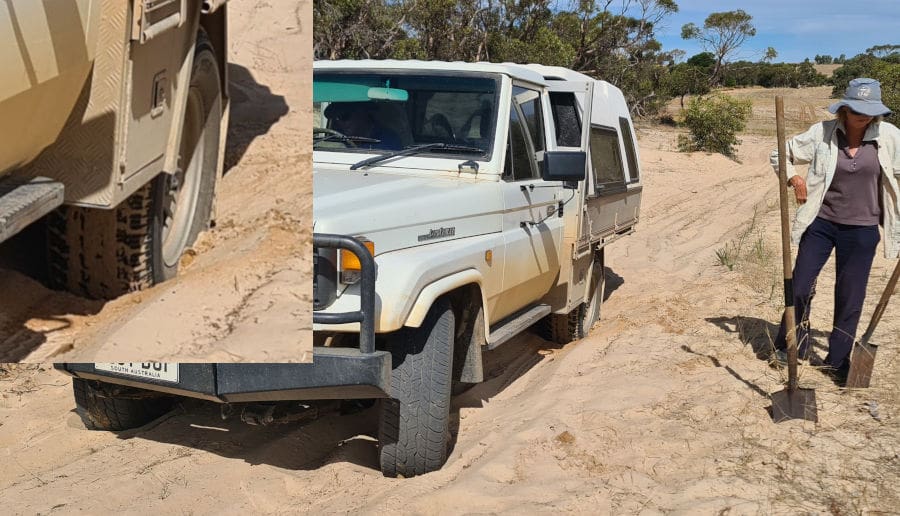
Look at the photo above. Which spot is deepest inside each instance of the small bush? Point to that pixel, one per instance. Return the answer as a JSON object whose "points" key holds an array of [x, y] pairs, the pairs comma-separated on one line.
{"points": [[728, 255], [713, 122]]}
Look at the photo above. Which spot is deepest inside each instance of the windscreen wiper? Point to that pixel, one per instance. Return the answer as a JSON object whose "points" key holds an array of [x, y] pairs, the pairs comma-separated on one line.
{"points": [[331, 137], [416, 149]]}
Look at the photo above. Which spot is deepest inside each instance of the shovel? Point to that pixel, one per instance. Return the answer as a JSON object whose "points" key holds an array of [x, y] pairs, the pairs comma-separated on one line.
{"points": [[792, 402], [863, 358]]}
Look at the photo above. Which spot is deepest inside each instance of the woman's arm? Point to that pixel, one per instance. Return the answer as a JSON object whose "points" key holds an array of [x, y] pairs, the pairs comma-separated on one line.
{"points": [[800, 151]]}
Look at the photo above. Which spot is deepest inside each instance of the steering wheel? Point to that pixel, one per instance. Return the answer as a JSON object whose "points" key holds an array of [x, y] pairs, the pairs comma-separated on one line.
{"points": [[441, 121]]}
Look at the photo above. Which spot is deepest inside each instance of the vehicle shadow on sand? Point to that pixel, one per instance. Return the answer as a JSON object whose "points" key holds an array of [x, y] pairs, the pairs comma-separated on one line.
{"points": [[613, 282], [254, 110], [334, 437]]}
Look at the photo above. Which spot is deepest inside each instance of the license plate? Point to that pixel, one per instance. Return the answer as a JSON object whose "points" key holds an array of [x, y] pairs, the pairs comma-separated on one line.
{"points": [[151, 370]]}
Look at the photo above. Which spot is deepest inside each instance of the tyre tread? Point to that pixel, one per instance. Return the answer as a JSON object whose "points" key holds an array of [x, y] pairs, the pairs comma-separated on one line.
{"points": [[101, 412], [414, 431]]}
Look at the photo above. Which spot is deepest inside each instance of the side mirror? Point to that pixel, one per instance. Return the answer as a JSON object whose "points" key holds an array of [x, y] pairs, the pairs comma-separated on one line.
{"points": [[567, 166]]}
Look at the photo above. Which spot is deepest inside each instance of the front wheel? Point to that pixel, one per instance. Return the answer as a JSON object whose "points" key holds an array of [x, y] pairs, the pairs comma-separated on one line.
{"points": [[414, 432], [105, 407]]}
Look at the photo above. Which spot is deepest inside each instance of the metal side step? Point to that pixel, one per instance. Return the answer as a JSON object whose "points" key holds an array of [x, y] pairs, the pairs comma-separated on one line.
{"points": [[24, 201], [512, 327]]}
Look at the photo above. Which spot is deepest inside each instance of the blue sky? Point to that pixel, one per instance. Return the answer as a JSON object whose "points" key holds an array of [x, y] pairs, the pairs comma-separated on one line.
{"points": [[797, 29]]}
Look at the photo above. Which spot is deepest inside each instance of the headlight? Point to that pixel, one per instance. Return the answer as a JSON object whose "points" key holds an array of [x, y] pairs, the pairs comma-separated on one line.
{"points": [[350, 266]]}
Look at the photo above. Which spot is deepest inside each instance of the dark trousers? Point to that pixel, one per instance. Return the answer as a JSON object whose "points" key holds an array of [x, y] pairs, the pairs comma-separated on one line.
{"points": [[855, 250]]}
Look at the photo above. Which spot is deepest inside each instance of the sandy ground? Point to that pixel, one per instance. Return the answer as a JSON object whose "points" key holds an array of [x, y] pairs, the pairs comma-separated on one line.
{"points": [[662, 409], [245, 289]]}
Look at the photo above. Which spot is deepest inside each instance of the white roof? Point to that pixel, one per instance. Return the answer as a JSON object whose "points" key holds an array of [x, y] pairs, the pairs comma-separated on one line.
{"points": [[551, 72], [518, 71], [559, 72]]}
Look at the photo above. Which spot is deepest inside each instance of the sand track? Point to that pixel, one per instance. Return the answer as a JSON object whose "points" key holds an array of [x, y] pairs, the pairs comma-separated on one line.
{"points": [[662, 409]]}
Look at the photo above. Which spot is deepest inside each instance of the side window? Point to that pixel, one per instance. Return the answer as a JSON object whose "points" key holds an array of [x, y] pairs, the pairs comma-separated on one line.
{"points": [[519, 162], [630, 153], [605, 158], [565, 119], [530, 102]]}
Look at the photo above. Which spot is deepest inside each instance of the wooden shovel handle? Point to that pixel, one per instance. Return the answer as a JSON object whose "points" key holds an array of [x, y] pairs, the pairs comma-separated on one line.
{"points": [[789, 318], [882, 303]]}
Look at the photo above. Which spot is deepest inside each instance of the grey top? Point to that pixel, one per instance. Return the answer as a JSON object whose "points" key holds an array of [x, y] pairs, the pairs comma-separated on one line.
{"points": [[853, 197]]}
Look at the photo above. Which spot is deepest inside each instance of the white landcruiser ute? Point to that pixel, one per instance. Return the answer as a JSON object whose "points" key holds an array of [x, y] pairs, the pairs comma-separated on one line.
{"points": [[455, 205], [486, 194]]}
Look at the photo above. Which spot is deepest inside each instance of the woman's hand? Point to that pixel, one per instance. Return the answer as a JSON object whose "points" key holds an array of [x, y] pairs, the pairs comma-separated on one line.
{"points": [[799, 185]]}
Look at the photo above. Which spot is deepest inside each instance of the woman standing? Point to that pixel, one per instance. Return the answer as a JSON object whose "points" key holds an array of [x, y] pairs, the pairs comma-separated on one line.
{"points": [[850, 188]]}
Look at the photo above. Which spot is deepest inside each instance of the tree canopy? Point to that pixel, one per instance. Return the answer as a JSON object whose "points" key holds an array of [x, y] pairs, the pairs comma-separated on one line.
{"points": [[722, 34], [613, 40]]}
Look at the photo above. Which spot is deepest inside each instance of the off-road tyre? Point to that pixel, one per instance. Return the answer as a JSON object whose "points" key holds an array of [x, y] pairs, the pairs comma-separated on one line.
{"points": [[414, 431], [103, 254], [101, 409], [575, 325]]}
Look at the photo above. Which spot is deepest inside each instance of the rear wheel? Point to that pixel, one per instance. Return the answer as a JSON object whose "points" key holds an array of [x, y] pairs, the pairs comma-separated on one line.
{"points": [[565, 328], [107, 407], [103, 254], [183, 200], [414, 434]]}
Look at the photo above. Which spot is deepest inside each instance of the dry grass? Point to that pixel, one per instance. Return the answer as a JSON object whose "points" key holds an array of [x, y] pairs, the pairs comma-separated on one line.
{"points": [[827, 69], [755, 256], [849, 462], [17, 378]]}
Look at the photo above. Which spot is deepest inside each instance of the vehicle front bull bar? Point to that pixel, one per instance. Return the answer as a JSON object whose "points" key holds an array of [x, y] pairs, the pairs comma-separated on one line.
{"points": [[365, 316]]}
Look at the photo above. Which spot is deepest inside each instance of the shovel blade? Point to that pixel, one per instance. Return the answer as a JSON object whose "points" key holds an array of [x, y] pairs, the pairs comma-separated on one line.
{"points": [[861, 363], [794, 404]]}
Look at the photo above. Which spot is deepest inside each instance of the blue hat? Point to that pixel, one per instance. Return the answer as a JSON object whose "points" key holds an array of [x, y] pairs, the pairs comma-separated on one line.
{"points": [[863, 96]]}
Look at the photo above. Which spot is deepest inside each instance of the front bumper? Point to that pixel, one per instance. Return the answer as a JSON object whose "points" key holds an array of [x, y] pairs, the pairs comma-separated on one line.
{"points": [[336, 373]]}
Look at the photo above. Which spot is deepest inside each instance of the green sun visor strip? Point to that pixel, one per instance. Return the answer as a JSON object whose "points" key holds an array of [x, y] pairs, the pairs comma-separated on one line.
{"points": [[328, 91]]}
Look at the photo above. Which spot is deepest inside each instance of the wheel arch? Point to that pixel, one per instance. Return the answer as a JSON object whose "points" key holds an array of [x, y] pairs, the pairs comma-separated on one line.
{"points": [[215, 24], [443, 286]]}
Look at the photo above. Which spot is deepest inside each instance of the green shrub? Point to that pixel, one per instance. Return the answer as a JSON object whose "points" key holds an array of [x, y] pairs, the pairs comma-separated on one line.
{"points": [[713, 122]]}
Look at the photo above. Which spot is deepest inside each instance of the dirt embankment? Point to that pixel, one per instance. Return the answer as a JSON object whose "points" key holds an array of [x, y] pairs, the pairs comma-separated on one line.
{"points": [[245, 290], [662, 409]]}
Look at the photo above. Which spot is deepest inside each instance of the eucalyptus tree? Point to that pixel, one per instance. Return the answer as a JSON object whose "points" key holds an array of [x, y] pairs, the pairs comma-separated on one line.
{"points": [[722, 34]]}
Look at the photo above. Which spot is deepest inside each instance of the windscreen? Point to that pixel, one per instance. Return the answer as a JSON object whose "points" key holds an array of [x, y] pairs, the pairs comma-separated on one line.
{"points": [[362, 112]]}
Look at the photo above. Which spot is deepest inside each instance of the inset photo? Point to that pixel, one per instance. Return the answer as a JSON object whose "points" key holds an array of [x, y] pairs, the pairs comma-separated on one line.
{"points": [[155, 181]]}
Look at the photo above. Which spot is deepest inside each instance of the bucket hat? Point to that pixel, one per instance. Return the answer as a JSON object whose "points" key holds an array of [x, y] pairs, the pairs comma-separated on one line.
{"points": [[863, 96]]}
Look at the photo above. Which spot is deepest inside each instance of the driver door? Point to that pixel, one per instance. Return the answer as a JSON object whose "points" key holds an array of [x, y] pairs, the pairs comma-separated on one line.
{"points": [[531, 228]]}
